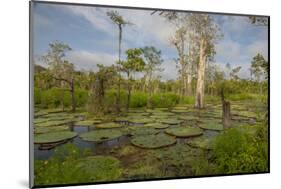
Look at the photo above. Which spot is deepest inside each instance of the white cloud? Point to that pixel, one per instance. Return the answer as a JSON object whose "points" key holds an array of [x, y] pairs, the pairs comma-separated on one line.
{"points": [[85, 60], [229, 50]]}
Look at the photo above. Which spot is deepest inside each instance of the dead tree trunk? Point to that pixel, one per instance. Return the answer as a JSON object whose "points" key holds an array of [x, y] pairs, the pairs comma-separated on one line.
{"points": [[73, 101], [226, 115]]}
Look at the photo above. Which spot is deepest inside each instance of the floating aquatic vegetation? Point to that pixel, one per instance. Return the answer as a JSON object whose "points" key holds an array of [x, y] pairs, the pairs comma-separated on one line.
{"points": [[101, 135], [142, 131], [157, 125], [54, 137], [184, 131], [170, 121], [41, 130], [53, 123], [153, 141], [202, 142], [108, 125], [211, 125], [141, 120]]}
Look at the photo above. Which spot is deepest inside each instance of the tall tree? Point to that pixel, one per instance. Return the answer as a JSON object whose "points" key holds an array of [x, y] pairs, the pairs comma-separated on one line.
{"points": [[259, 69], [117, 19], [134, 63], [153, 61], [60, 69], [206, 33]]}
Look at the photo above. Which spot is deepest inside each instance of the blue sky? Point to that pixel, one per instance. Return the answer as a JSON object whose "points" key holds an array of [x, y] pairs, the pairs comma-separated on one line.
{"points": [[94, 38]]}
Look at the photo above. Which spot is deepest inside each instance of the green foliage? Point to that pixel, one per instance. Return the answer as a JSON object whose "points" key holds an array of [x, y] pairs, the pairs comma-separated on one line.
{"points": [[55, 97], [54, 137], [164, 100], [70, 165], [153, 141], [138, 99], [236, 151]]}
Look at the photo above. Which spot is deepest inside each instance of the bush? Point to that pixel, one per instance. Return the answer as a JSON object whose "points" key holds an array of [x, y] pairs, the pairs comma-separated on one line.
{"points": [[52, 98], [238, 151], [164, 100], [138, 99], [187, 100]]}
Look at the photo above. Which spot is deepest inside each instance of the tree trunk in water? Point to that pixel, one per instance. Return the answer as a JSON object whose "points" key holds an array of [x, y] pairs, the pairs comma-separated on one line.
{"points": [[226, 115], [199, 102], [189, 84], [73, 96]]}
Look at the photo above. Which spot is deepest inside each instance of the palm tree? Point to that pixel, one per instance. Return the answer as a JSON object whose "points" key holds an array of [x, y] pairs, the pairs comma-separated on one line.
{"points": [[117, 19]]}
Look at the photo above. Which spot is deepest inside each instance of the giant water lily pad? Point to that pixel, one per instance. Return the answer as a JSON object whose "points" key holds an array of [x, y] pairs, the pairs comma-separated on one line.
{"points": [[88, 122], [157, 125], [41, 130], [53, 123], [54, 137], [170, 121], [99, 168], [40, 120], [153, 141], [141, 120], [184, 131], [180, 111], [188, 117], [211, 125], [142, 131], [101, 135], [163, 114], [108, 125], [202, 142]]}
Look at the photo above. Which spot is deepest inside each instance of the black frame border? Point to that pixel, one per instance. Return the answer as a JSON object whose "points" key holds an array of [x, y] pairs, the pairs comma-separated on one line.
{"points": [[31, 72]]}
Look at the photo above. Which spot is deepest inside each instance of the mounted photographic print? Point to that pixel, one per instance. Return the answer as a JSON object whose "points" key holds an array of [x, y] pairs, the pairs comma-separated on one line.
{"points": [[121, 94]]}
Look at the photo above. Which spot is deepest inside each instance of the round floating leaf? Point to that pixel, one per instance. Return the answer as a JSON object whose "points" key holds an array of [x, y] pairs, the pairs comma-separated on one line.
{"points": [[171, 121], [184, 131], [54, 137], [40, 120], [122, 119], [158, 117], [211, 125], [188, 117], [101, 135], [153, 141], [53, 123], [108, 125], [141, 120], [137, 130], [202, 142], [40, 130], [157, 125], [180, 111], [98, 168]]}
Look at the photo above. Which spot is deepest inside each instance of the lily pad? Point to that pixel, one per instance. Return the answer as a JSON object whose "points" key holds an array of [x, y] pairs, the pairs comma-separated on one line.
{"points": [[202, 142], [180, 111], [153, 141], [101, 135], [54, 137], [53, 123], [41, 130], [211, 126], [184, 131], [171, 121], [141, 120], [108, 125], [157, 125], [188, 117], [87, 122], [142, 131]]}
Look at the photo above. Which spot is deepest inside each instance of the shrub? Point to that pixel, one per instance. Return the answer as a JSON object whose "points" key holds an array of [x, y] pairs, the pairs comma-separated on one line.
{"points": [[138, 99], [237, 151], [164, 100], [187, 100]]}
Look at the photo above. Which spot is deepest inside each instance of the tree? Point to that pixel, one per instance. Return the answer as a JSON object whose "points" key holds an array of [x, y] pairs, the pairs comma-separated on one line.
{"points": [[259, 69], [98, 83], [153, 60], [60, 69], [234, 73], [117, 19], [206, 33], [134, 63]]}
